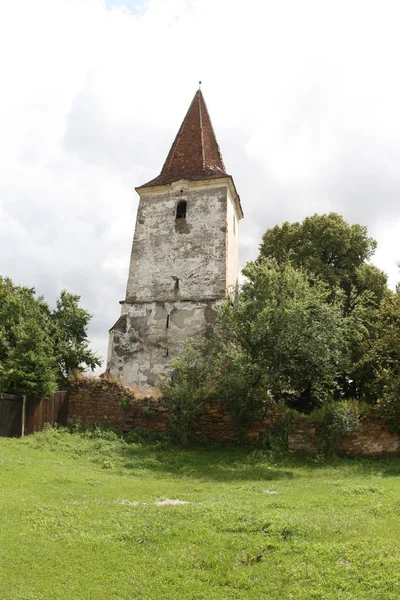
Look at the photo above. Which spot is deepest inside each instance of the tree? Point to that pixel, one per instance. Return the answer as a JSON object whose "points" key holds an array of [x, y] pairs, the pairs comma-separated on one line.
{"points": [[328, 248], [192, 385], [381, 358], [39, 347], [28, 367], [313, 323], [71, 346], [26, 350], [280, 341], [287, 327]]}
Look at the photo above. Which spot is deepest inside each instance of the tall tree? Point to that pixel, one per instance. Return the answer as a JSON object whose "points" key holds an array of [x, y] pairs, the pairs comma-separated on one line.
{"points": [[27, 363], [279, 341], [329, 248], [287, 327], [39, 346], [381, 356], [71, 344]]}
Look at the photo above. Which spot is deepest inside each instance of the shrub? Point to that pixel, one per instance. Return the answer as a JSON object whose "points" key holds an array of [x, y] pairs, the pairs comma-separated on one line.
{"points": [[389, 408], [339, 419], [190, 387]]}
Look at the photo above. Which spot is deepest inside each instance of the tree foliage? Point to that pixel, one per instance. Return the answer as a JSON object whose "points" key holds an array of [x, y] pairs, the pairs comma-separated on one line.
{"points": [[288, 328], [328, 248], [279, 341], [39, 346], [381, 358], [314, 323], [71, 346]]}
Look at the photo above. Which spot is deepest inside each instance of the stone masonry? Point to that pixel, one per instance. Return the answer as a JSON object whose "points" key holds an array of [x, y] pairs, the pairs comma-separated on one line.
{"points": [[184, 257], [96, 401]]}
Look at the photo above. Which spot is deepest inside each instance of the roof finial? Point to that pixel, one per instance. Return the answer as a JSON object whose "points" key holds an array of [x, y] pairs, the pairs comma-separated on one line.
{"points": [[199, 85]]}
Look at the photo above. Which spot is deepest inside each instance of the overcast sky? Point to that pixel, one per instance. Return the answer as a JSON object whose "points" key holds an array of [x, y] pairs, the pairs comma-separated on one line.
{"points": [[304, 97]]}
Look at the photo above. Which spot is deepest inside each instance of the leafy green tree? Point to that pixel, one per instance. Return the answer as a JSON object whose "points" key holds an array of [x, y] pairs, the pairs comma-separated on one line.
{"points": [[192, 384], [71, 346], [381, 358], [38, 346], [286, 326], [328, 248], [279, 341], [29, 366], [313, 323]]}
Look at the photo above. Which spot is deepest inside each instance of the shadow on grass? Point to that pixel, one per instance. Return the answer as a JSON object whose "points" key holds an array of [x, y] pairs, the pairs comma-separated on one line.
{"points": [[216, 464], [213, 462], [222, 463], [385, 465]]}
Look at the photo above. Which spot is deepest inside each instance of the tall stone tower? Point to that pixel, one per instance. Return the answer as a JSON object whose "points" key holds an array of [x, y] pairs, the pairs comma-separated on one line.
{"points": [[184, 255]]}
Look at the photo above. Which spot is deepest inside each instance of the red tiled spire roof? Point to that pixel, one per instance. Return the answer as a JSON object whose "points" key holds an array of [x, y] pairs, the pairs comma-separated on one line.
{"points": [[195, 153]]}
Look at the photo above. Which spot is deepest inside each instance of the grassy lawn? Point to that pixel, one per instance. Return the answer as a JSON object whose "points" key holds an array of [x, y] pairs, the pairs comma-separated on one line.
{"points": [[79, 519]]}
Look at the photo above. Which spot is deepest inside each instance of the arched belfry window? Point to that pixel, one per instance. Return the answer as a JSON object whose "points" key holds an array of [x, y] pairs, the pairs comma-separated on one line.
{"points": [[181, 210]]}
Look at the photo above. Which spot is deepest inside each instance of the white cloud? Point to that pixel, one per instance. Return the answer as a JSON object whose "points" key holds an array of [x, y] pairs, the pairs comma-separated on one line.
{"points": [[304, 98]]}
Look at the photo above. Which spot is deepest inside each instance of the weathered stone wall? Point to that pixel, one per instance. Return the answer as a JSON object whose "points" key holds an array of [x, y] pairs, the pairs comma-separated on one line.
{"points": [[150, 335], [179, 258], [373, 437], [179, 270], [95, 401], [105, 401]]}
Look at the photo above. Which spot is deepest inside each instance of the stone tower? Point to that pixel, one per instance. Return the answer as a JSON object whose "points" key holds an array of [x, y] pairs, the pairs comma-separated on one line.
{"points": [[184, 255]]}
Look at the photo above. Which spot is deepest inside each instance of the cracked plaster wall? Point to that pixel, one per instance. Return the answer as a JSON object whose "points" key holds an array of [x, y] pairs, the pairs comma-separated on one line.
{"points": [[150, 335], [179, 270], [192, 250]]}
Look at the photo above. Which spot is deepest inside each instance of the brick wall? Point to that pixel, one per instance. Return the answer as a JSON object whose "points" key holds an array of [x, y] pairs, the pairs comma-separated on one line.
{"points": [[373, 437], [106, 401]]}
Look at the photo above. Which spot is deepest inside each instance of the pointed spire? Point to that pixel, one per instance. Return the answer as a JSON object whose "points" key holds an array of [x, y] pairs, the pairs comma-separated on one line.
{"points": [[195, 153]]}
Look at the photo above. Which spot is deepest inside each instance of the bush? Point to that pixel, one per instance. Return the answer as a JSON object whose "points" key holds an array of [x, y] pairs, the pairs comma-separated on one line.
{"points": [[99, 431], [190, 387], [389, 408], [339, 419], [139, 435]]}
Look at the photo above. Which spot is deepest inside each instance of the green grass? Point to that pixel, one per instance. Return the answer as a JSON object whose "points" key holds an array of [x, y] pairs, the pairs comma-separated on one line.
{"points": [[79, 520]]}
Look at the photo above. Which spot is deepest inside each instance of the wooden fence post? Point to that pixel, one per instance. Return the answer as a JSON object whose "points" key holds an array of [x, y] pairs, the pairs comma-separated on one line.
{"points": [[23, 416]]}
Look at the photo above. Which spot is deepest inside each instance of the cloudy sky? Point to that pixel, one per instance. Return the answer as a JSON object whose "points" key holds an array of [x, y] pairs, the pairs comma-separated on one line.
{"points": [[304, 97]]}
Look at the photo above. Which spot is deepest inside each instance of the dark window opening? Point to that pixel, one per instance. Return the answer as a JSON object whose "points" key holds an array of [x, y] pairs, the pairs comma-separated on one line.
{"points": [[176, 284], [181, 210], [167, 352], [167, 321]]}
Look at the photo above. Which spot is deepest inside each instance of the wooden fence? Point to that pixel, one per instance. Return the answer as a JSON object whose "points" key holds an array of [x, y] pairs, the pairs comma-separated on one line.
{"points": [[10, 415], [21, 416]]}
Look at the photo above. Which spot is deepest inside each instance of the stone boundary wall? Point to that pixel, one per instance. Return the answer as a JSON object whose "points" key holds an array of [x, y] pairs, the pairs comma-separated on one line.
{"points": [[106, 401], [373, 437], [95, 401]]}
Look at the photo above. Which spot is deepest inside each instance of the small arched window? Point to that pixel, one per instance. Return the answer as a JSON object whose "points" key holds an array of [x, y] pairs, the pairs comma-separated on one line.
{"points": [[181, 210]]}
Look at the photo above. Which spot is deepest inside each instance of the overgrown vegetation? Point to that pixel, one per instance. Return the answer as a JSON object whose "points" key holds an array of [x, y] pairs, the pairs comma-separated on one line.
{"points": [[339, 419], [314, 324], [39, 347], [81, 519]]}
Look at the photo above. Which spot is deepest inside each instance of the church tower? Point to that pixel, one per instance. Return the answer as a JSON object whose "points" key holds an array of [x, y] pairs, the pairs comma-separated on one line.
{"points": [[184, 255]]}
